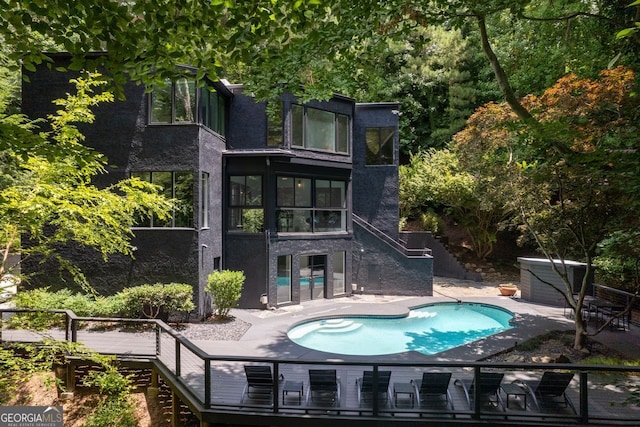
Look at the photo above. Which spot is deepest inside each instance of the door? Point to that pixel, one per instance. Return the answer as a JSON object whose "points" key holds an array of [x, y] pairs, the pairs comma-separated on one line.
{"points": [[312, 276]]}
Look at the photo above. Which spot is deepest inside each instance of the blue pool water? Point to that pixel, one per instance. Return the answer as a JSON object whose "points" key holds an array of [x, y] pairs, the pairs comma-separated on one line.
{"points": [[428, 330]]}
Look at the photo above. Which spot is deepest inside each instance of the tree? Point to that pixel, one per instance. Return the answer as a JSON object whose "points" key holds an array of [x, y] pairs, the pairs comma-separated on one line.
{"points": [[436, 180], [573, 195], [46, 194]]}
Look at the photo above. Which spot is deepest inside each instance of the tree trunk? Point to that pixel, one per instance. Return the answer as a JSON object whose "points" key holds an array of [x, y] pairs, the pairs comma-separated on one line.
{"points": [[580, 338], [501, 76]]}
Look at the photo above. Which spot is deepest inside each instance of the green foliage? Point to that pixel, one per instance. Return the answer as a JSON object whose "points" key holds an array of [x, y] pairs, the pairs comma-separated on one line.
{"points": [[46, 191], [253, 220], [140, 301], [225, 288], [152, 301], [113, 412], [15, 370], [109, 382], [429, 221]]}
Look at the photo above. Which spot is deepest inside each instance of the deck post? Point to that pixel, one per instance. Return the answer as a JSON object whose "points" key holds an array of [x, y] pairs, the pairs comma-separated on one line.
{"points": [[70, 380], [584, 398], [175, 409]]}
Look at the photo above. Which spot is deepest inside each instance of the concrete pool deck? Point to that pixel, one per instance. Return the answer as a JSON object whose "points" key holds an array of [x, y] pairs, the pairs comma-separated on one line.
{"points": [[267, 336]]}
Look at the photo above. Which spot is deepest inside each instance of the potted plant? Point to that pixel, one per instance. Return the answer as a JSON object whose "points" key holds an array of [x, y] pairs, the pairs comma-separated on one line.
{"points": [[508, 289]]}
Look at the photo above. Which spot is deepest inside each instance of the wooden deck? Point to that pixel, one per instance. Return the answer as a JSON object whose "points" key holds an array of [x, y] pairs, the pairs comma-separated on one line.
{"points": [[607, 389]]}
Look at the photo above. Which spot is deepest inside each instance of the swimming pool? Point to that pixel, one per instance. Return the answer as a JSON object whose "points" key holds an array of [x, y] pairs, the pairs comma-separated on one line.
{"points": [[429, 329]]}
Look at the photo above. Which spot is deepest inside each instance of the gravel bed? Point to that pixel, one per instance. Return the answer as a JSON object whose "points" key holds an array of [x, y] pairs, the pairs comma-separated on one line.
{"points": [[216, 330]]}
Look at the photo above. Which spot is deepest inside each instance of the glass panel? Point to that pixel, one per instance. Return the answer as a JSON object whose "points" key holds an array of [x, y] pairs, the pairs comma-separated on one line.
{"points": [[317, 271], [254, 191], [328, 221], [284, 193], [372, 138], [323, 193], [252, 220], [221, 127], [204, 200], [303, 192], [246, 220], [339, 194], [301, 221], [339, 273], [183, 193], [297, 125], [342, 145], [274, 124], [305, 278], [386, 146], [237, 191], [283, 283], [185, 100], [320, 131], [161, 103], [164, 180]]}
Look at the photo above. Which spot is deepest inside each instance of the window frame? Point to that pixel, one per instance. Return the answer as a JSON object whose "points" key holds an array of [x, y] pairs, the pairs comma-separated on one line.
{"points": [[244, 207], [380, 144], [316, 217], [172, 195], [173, 102], [301, 129]]}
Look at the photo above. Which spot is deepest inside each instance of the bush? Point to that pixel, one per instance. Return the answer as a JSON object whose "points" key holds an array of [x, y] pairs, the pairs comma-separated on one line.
{"points": [[225, 288], [429, 221], [155, 301]]}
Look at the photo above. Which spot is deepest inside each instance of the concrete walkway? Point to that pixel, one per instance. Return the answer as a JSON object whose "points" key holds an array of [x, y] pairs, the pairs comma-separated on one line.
{"points": [[267, 336]]}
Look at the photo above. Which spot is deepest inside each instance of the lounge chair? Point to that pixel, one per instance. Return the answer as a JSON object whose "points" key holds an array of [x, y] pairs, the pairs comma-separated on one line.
{"points": [[260, 383], [324, 387], [550, 390], [433, 389], [487, 386], [365, 387]]}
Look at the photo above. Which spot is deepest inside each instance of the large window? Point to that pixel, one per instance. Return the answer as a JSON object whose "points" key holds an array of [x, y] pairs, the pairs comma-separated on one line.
{"points": [[245, 201], [380, 145], [310, 206], [174, 185], [319, 130], [174, 102]]}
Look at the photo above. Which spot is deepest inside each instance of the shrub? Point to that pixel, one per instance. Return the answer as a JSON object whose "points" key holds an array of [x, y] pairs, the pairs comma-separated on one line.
{"points": [[225, 288], [429, 221], [155, 301]]}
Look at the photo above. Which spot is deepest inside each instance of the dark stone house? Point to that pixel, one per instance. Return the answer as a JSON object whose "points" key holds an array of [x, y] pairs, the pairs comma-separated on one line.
{"points": [[303, 198]]}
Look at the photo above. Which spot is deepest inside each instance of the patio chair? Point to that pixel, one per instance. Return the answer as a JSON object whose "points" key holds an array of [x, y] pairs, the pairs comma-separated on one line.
{"points": [[324, 387], [487, 385], [433, 389], [259, 384], [550, 390], [365, 387]]}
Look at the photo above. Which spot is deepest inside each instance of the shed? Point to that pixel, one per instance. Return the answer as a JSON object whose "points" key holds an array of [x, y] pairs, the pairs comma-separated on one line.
{"points": [[534, 290]]}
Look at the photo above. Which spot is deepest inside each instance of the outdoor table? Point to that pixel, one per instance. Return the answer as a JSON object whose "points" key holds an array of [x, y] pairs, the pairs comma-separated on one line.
{"points": [[292, 387], [405, 389], [514, 390]]}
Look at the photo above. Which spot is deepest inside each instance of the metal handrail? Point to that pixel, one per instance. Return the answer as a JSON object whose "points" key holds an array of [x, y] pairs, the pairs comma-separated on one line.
{"points": [[207, 360]]}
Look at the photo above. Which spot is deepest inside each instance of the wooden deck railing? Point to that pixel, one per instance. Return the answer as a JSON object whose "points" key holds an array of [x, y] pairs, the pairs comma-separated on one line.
{"points": [[212, 386]]}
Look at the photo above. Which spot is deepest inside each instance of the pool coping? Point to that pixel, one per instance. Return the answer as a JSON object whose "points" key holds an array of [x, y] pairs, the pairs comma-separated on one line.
{"points": [[267, 336]]}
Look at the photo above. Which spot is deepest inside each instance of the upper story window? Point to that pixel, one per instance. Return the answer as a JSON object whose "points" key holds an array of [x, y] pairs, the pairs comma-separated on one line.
{"points": [[246, 212], [306, 205], [180, 101], [175, 185], [174, 102], [213, 107], [379, 145], [317, 129]]}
